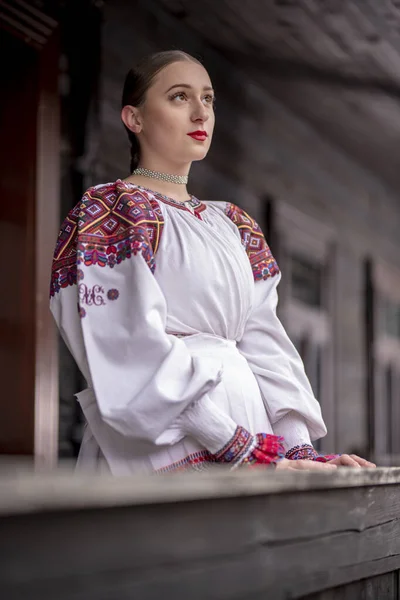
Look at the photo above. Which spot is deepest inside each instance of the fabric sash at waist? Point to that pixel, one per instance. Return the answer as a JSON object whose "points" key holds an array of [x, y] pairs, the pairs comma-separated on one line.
{"points": [[207, 343]]}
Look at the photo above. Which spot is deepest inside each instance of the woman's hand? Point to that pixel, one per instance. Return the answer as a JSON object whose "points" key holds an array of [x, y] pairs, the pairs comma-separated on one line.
{"points": [[304, 465], [351, 460]]}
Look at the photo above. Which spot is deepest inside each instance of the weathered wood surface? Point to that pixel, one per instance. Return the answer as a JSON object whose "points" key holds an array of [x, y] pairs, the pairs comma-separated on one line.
{"points": [[209, 536], [381, 587]]}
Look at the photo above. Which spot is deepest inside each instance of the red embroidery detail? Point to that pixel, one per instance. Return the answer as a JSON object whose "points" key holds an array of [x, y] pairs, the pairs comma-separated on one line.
{"points": [[236, 449], [64, 261], [303, 452], [261, 449], [109, 225], [247, 449], [262, 262], [326, 457], [194, 202], [307, 452], [197, 461], [269, 449]]}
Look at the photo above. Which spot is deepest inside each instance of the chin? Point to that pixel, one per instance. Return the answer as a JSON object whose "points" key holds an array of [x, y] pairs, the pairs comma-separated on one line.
{"points": [[199, 154]]}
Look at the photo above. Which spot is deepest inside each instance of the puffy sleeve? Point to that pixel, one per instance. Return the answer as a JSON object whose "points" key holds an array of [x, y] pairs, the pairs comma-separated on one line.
{"points": [[112, 314], [292, 408]]}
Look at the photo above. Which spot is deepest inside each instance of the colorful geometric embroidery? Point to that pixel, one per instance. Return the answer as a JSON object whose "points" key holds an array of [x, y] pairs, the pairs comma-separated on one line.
{"points": [[262, 262], [246, 449], [303, 452], [198, 461], [194, 202], [268, 450], [237, 448], [307, 452], [326, 457], [64, 262], [109, 225], [242, 449]]}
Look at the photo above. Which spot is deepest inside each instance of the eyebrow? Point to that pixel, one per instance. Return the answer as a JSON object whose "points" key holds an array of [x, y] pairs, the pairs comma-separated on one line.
{"points": [[206, 88]]}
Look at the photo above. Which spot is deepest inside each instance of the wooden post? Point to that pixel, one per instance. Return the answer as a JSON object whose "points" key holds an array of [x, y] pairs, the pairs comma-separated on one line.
{"points": [[46, 228], [29, 188]]}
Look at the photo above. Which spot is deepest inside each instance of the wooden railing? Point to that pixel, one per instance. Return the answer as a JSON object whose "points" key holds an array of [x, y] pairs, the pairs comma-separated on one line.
{"points": [[244, 535]]}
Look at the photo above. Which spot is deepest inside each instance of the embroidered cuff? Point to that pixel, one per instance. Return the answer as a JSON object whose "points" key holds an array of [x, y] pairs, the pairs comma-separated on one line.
{"points": [[307, 452], [326, 457], [269, 450], [244, 448], [303, 452], [237, 448]]}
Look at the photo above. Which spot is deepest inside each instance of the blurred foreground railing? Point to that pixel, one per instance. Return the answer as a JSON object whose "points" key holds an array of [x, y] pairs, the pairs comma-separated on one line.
{"points": [[216, 535]]}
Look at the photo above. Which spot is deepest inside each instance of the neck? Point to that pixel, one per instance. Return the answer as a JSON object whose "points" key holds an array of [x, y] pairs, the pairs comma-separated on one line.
{"points": [[155, 162], [176, 191]]}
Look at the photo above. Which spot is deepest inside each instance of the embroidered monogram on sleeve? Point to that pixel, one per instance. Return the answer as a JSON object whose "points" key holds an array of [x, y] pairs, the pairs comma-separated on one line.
{"points": [[94, 296]]}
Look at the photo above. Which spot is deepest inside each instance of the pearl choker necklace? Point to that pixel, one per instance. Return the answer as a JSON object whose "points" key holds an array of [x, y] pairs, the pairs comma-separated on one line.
{"points": [[181, 179]]}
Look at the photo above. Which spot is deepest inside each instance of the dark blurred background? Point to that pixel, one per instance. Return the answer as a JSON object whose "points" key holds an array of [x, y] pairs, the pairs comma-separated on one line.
{"points": [[307, 140]]}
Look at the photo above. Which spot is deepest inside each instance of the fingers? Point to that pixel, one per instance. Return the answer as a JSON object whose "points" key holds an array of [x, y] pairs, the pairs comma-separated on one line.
{"points": [[310, 465], [363, 462], [347, 461], [352, 460], [303, 465], [283, 464]]}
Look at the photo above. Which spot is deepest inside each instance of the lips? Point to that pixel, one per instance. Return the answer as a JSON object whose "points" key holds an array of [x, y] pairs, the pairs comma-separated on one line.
{"points": [[201, 136]]}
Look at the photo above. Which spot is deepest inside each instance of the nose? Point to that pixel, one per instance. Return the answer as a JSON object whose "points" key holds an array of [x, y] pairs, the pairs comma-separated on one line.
{"points": [[200, 113]]}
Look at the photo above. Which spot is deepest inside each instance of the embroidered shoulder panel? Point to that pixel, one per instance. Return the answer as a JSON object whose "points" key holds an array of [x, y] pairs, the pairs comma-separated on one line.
{"points": [[108, 226], [262, 262]]}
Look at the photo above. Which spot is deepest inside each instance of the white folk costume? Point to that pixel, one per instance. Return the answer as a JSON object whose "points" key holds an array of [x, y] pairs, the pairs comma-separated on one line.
{"points": [[169, 310]]}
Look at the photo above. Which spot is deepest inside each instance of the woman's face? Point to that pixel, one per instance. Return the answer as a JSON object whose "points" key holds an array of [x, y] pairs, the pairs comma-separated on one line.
{"points": [[177, 117]]}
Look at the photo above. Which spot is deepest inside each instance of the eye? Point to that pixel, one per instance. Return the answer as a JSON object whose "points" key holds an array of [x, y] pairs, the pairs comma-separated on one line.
{"points": [[180, 96], [209, 99]]}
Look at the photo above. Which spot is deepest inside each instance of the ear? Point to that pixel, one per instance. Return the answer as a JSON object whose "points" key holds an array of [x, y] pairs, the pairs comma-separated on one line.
{"points": [[131, 118]]}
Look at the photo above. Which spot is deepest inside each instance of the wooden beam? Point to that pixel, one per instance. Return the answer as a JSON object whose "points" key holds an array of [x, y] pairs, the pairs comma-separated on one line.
{"points": [[28, 23], [217, 535]]}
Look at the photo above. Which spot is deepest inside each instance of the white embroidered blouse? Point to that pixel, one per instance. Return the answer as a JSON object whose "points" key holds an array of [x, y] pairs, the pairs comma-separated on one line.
{"points": [[170, 313]]}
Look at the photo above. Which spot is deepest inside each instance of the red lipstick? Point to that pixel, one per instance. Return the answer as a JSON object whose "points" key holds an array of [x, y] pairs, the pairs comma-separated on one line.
{"points": [[199, 135]]}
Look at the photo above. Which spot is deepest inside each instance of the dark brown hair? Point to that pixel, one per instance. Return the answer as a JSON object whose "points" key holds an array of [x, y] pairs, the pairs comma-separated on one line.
{"points": [[138, 81]]}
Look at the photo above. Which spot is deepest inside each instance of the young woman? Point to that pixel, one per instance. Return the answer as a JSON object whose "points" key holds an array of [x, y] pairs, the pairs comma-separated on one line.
{"points": [[168, 305]]}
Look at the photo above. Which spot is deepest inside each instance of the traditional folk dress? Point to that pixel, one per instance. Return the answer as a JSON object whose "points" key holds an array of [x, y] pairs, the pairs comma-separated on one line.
{"points": [[169, 310]]}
